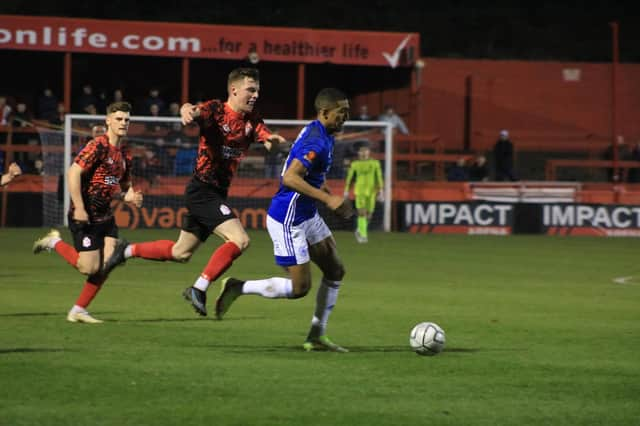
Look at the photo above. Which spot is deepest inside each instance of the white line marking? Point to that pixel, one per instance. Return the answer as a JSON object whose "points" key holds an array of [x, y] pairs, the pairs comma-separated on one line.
{"points": [[622, 280]]}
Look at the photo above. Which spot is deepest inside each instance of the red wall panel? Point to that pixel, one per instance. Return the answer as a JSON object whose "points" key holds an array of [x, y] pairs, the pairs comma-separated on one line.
{"points": [[533, 100]]}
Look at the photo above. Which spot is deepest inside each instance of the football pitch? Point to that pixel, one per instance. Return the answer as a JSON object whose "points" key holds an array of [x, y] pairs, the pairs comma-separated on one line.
{"points": [[538, 333]]}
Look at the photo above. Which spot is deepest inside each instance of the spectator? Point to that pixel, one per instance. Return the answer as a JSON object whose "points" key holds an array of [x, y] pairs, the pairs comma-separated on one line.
{"points": [[175, 129], [363, 114], [623, 154], [389, 115], [118, 96], [154, 99], [174, 109], [58, 118], [102, 102], [155, 162], [185, 159], [5, 111], [22, 117], [38, 167], [46, 105], [91, 109], [160, 150], [634, 173], [503, 157], [479, 170], [98, 130], [458, 172], [153, 126], [86, 98]]}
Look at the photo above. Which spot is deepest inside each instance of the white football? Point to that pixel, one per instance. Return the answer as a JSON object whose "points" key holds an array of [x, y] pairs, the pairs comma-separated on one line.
{"points": [[427, 338]]}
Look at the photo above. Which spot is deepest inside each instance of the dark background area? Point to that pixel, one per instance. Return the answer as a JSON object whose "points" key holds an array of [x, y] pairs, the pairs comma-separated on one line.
{"points": [[562, 30], [543, 30]]}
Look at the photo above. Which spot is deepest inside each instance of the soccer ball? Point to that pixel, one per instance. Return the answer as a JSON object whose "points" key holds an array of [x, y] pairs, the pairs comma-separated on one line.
{"points": [[427, 338]]}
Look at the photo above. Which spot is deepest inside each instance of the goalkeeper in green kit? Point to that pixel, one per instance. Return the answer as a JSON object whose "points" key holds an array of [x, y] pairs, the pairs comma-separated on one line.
{"points": [[368, 187]]}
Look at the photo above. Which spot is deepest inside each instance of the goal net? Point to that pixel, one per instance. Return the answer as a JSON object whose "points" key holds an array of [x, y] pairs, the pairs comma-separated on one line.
{"points": [[53, 169], [164, 154]]}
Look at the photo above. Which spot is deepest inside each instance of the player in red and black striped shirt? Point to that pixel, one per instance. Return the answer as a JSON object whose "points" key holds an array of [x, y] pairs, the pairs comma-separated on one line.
{"points": [[226, 131], [99, 174]]}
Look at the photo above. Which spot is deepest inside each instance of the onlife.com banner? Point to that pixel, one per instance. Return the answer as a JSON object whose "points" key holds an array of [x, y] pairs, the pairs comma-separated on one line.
{"points": [[591, 219], [300, 45], [473, 218]]}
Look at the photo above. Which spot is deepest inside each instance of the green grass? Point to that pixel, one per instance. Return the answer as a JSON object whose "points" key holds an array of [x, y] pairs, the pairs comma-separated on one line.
{"points": [[537, 333]]}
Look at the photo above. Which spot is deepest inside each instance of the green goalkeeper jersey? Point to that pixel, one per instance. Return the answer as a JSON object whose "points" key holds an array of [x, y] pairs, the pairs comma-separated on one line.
{"points": [[368, 177]]}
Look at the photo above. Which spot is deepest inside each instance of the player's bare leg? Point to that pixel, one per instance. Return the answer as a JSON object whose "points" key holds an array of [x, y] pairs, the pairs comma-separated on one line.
{"points": [[184, 248], [89, 263], [324, 254], [161, 250], [296, 286], [236, 241]]}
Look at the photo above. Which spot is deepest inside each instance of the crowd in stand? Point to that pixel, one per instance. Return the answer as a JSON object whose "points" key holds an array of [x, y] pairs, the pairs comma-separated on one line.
{"points": [[168, 151], [49, 111]]}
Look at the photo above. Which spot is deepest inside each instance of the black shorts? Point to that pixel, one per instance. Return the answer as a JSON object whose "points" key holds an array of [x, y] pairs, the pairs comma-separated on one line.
{"points": [[90, 236], [206, 209]]}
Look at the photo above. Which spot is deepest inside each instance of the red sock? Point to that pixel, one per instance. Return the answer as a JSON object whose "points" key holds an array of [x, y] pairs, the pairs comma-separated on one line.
{"points": [[67, 252], [91, 287], [221, 260], [154, 250]]}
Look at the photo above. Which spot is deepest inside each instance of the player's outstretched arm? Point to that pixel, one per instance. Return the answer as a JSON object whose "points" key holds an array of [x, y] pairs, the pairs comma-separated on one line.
{"points": [[274, 140], [188, 113], [14, 170]]}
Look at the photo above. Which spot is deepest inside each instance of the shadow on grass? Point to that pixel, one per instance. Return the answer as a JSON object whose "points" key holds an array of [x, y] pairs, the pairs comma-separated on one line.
{"points": [[352, 349], [404, 349], [30, 350], [144, 320], [249, 349], [33, 314], [10, 275], [45, 314], [462, 350], [194, 318]]}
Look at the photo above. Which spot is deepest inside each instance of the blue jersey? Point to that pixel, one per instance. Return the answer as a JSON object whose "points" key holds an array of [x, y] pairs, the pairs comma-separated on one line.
{"points": [[314, 149]]}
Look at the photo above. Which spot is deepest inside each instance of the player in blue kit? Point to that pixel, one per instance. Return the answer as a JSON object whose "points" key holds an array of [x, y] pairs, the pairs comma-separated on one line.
{"points": [[298, 232]]}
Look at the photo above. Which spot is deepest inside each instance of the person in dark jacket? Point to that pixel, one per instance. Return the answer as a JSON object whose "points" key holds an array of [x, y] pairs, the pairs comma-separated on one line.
{"points": [[503, 157]]}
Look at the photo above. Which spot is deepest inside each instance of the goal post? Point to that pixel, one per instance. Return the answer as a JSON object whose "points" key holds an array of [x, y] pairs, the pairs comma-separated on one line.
{"points": [[164, 155]]}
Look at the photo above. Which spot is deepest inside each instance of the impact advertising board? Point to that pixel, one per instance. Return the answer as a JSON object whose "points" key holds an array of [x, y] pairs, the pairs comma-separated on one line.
{"points": [[486, 218], [473, 218]]}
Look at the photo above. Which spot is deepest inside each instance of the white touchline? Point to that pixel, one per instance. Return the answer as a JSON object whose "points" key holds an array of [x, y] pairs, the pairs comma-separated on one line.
{"points": [[622, 280]]}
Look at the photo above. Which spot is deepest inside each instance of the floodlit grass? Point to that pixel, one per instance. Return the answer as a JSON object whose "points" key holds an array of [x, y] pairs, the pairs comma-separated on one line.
{"points": [[537, 333]]}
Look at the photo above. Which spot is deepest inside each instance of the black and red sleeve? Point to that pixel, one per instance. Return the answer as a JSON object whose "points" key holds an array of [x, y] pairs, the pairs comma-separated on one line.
{"points": [[93, 153], [209, 113]]}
